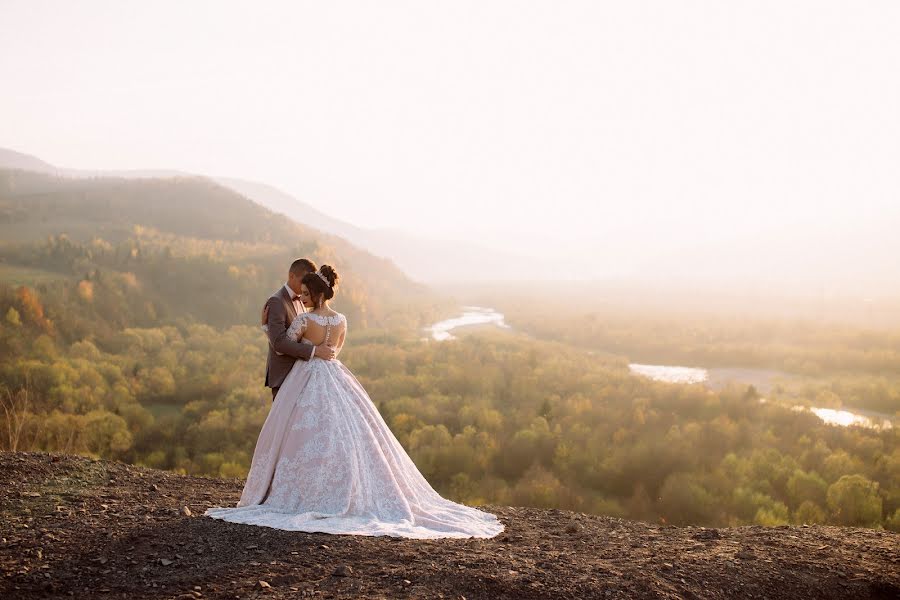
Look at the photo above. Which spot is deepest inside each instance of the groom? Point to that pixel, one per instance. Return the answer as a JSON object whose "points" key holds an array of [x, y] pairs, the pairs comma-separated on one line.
{"points": [[282, 307]]}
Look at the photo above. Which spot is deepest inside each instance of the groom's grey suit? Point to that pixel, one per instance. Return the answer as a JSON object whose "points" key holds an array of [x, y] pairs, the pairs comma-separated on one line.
{"points": [[281, 314]]}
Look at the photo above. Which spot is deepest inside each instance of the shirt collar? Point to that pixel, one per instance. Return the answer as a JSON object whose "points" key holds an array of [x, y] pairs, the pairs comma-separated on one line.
{"points": [[291, 295]]}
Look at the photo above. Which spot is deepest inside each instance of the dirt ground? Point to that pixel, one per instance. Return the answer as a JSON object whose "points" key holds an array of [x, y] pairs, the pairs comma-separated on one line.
{"points": [[75, 527]]}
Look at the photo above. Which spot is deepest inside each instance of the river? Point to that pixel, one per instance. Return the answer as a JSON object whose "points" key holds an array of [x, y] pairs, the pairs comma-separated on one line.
{"points": [[472, 315], [714, 378]]}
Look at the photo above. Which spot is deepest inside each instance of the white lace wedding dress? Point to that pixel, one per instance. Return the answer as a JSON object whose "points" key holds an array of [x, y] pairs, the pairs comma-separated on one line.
{"points": [[326, 461]]}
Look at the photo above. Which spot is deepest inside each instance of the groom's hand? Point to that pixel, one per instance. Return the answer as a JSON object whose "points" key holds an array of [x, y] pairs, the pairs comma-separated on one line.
{"points": [[325, 352]]}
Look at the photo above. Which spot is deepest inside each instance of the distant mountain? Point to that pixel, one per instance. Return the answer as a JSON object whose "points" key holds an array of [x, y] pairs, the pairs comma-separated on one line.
{"points": [[283, 203], [423, 259], [10, 159]]}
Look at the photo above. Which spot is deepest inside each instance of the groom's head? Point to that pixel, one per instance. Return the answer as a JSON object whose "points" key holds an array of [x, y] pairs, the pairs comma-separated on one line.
{"points": [[299, 268]]}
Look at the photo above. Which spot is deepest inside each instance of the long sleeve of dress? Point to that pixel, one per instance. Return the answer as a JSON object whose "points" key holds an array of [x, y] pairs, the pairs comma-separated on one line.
{"points": [[341, 337]]}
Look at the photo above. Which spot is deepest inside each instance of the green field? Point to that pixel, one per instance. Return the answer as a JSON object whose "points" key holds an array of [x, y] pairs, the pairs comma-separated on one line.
{"points": [[15, 275]]}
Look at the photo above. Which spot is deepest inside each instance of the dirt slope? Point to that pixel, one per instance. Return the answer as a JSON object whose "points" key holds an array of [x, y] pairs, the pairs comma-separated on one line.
{"points": [[75, 527]]}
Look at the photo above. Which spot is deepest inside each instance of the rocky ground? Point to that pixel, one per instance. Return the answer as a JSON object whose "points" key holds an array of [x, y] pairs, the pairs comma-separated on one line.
{"points": [[75, 527]]}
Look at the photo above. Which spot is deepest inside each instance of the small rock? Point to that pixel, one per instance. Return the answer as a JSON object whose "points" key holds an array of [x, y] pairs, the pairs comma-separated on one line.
{"points": [[251, 547], [264, 584], [165, 562], [707, 534], [407, 582], [154, 487], [343, 571], [574, 527], [185, 511]]}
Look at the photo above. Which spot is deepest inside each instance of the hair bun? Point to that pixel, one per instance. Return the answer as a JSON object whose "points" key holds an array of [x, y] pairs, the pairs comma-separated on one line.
{"points": [[332, 276]]}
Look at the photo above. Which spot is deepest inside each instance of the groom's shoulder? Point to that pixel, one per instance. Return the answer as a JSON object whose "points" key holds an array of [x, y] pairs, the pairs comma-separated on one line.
{"points": [[276, 295]]}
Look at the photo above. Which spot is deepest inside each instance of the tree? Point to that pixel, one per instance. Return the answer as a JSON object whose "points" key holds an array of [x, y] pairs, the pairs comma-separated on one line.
{"points": [[539, 488], [106, 434], [893, 522], [775, 514], [809, 513], [682, 500], [13, 317], [15, 412], [854, 500], [803, 486]]}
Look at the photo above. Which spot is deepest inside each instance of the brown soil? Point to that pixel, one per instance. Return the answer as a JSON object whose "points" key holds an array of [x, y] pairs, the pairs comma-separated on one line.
{"points": [[75, 527]]}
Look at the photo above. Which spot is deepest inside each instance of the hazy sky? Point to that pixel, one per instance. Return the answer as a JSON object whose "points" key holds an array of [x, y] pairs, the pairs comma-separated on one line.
{"points": [[546, 127]]}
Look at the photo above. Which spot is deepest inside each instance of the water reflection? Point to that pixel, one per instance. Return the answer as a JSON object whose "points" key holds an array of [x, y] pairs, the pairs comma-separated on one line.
{"points": [[835, 416], [670, 374]]}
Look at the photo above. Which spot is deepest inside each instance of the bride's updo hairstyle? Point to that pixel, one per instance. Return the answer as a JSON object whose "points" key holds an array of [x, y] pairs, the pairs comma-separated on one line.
{"points": [[321, 284]]}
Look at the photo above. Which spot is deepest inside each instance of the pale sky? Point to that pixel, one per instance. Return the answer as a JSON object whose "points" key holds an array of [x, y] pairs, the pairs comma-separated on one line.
{"points": [[567, 129]]}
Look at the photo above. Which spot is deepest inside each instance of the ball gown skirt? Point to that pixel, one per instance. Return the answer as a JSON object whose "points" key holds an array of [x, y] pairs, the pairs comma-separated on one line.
{"points": [[326, 461]]}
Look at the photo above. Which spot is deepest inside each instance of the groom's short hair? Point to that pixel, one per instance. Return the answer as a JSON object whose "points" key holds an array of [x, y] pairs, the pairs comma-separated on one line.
{"points": [[302, 266]]}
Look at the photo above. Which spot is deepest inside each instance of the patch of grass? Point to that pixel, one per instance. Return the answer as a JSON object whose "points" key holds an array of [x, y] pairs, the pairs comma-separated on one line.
{"points": [[16, 275], [159, 410]]}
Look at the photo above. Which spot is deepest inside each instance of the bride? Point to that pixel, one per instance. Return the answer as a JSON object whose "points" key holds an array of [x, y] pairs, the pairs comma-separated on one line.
{"points": [[326, 461]]}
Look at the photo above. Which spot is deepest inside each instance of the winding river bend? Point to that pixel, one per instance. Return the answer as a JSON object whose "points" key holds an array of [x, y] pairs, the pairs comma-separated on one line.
{"points": [[713, 378], [472, 315]]}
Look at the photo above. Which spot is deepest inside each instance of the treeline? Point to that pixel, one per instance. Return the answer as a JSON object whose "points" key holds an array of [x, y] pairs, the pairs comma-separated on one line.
{"points": [[151, 278], [486, 419]]}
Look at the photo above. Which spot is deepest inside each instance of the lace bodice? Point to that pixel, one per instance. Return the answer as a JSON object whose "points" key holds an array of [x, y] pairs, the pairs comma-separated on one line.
{"points": [[334, 326]]}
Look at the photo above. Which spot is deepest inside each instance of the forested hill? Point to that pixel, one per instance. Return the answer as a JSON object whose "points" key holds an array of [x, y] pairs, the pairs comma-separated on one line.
{"points": [[178, 247]]}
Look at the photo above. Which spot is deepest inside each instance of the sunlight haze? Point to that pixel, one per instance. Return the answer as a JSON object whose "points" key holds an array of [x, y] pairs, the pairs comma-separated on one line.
{"points": [[721, 141]]}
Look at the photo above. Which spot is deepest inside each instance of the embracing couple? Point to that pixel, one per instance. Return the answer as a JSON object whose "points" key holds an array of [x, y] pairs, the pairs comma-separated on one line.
{"points": [[325, 459]]}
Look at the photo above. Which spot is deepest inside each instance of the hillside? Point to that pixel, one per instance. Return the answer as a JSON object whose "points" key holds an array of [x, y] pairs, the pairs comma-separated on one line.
{"points": [[73, 526], [224, 251], [416, 256]]}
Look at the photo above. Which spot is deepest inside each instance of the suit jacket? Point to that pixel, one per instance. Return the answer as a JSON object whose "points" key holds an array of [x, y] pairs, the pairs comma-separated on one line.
{"points": [[281, 314]]}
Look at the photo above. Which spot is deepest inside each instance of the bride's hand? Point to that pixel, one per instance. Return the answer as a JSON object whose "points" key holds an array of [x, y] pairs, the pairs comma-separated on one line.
{"points": [[265, 315]]}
